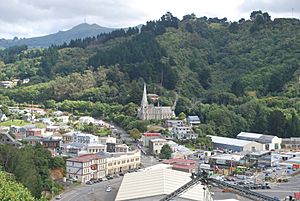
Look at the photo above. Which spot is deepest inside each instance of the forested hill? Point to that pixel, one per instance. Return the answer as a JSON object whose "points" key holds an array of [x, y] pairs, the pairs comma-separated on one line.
{"points": [[80, 31], [235, 75]]}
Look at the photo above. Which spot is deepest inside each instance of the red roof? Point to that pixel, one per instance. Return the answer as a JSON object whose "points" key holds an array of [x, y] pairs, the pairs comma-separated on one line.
{"points": [[179, 163], [84, 158], [151, 134]]}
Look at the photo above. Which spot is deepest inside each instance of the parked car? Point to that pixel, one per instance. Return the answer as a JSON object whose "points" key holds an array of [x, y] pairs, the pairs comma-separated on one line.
{"points": [[89, 182], [58, 197], [100, 180], [104, 179], [109, 177], [121, 174], [108, 189]]}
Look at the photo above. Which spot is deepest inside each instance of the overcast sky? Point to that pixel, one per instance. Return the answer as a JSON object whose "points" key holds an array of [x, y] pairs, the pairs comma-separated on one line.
{"points": [[29, 18]]}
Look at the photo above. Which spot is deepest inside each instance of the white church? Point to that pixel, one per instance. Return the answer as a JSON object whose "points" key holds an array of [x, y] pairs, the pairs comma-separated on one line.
{"points": [[149, 111]]}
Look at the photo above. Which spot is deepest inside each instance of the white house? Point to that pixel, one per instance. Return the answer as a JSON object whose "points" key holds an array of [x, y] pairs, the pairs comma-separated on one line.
{"points": [[3, 117], [86, 120], [193, 120], [184, 132]]}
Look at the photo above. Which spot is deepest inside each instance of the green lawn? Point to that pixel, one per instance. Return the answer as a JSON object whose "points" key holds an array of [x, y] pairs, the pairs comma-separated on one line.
{"points": [[17, 122]]}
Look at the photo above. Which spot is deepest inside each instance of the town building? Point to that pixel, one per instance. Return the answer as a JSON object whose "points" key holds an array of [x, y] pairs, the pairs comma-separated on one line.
{"points": [[34, 132], [193, 120], [184, 133], [235, 145], [184, 165], [154, 184], [32, 140], [84, 138], [86, 120], [67, 137], [146, 137], [121, 162], [20, 131], [155, 146], [291, 143], [51, 143], [270, 142], [149, 111], [86, 167], [169, 123], [226, 160], [6, 138]]}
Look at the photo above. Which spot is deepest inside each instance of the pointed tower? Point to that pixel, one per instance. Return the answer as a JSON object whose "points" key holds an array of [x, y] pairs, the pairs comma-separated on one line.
{"points": [[143, 110]]}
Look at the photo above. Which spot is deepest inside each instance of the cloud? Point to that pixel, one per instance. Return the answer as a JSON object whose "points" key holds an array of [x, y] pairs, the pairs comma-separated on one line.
{"points": [[28, 18]]}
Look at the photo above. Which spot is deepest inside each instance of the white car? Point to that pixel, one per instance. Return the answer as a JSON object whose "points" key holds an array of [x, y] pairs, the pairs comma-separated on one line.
{"points": [[108, 189], [58, 197]]}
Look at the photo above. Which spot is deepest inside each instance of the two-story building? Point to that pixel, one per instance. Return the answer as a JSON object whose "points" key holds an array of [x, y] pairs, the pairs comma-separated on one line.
{"points": [[184, 132], [86, 167], [155, 146], [121, 162]]}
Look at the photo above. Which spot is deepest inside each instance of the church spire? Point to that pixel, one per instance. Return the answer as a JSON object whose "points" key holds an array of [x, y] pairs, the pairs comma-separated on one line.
{"points": [[144, 99]]}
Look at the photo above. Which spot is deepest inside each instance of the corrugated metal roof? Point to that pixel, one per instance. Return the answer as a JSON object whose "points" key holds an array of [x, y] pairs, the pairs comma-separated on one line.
{"points": [[155, 182], [229, 141], [249, 135]]}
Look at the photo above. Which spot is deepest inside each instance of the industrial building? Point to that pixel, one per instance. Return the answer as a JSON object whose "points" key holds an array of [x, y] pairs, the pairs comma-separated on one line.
{"points": [[235, 145], [270, 142], [154, 184]]}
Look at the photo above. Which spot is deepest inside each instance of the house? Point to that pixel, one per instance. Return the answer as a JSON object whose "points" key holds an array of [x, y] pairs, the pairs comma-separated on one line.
{"points": [[146, 137], [67, 137], [156, 183], [3, 117], [269, 141], [84, 138], [86, 167], [86, 120], [110, 142], [72, 149], [122, 148], [6, 138], [28, 117], [51, 143], [63, 119], [34, 132], [57, 113], [235, 145], [193, 120], [95, 147], [6, 84], [121, 162], [173, 123], [47, 121], [184, 165], [20, 131], [184, 132], [32, 140], [155, 146], [52, 129]]}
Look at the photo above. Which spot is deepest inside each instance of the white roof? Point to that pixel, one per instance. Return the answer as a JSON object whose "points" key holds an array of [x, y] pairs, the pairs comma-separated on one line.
{"points": [[249, 135], [157, 182], [229, 141], [234, 157]]}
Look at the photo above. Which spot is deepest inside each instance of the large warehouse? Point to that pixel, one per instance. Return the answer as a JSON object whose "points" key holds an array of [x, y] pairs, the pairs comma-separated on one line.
{"points": [[154, 184], [270, 142], [236, 145]]}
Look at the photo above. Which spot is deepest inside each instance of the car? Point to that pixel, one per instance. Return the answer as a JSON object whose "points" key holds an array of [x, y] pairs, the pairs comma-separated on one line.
{"points": [[104, 179], [108, 189], [89, 182], [109, 177], [121, 174], [100, 180], [58, 197]]}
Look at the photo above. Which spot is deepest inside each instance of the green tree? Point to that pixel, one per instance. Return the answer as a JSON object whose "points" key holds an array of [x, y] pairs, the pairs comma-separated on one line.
{"points": [[11, 190], [165, 152], [181, 116], [135, 134]]}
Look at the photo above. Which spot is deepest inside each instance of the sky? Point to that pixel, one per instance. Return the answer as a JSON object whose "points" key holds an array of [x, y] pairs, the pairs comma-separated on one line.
{"points": [[30, 18]]}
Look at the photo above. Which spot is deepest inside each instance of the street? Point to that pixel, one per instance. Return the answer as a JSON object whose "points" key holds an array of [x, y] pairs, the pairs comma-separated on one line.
{"points": [[94, 192]]}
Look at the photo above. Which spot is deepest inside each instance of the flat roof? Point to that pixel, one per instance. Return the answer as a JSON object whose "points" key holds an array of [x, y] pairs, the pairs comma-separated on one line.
{"points": [[157, 182], [249, 135], [234, 157]]}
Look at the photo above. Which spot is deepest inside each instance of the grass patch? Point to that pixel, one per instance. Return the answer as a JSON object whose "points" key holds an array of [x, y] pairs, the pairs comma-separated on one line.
{"points": [[17, 122]]}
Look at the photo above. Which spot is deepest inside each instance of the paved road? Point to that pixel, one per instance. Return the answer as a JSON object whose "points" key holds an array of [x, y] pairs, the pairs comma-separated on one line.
{"points": [[95, 192], [281, 190]]}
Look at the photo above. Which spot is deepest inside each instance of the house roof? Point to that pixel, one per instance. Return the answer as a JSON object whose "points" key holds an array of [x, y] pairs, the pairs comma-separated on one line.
{"points": [[151, 134], [229, 141], [193, 118], [256, 137], [157, 182], [84, 158]]}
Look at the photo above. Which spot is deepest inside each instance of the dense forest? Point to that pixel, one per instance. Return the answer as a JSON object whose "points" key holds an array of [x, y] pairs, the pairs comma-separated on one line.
{"points": [[237, 76]]}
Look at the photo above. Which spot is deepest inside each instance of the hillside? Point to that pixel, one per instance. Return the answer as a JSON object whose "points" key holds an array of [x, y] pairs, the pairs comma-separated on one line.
{"points": [[80, 31], [237, 76]]}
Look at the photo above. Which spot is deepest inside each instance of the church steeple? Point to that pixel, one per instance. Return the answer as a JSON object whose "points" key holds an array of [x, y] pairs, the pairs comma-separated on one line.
{"points": [[144, 102]]}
